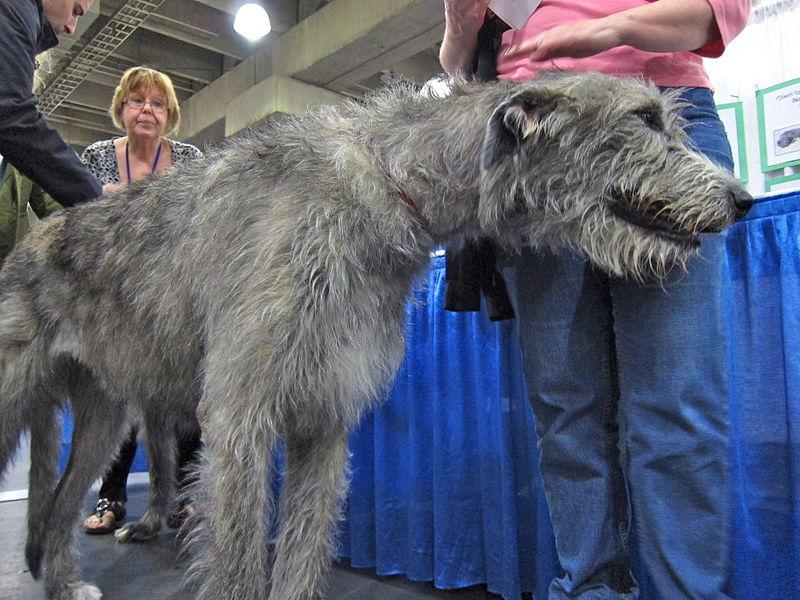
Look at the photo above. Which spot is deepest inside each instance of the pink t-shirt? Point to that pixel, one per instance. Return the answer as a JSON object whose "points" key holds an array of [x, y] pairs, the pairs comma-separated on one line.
{"points": [[662, 68]]}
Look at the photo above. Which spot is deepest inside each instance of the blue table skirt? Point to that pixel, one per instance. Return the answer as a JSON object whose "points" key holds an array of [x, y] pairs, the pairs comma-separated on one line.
{"points": [[445, 486]]}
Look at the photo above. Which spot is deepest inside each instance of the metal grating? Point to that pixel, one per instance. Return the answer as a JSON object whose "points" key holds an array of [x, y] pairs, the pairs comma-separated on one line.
{"points": [[119, 27]]}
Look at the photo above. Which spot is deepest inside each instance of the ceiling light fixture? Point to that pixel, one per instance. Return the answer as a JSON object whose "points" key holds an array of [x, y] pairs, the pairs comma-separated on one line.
{"points": [[252, 21]]}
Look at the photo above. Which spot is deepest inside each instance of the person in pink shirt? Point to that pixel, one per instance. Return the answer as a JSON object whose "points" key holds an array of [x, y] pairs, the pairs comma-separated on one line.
{"points": [[628, 382]]}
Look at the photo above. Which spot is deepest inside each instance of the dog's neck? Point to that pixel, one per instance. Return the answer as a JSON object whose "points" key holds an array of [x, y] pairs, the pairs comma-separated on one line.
{"points": [[425, 157]]}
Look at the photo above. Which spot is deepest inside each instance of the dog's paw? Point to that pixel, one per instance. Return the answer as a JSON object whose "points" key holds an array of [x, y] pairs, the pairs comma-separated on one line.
{"points": [[137, 531], [86, 591], [74, 591]]}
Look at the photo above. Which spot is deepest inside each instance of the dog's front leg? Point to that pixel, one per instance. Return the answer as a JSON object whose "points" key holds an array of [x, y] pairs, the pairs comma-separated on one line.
{"points": [[98, 426], [314, 486], [237, 503]]}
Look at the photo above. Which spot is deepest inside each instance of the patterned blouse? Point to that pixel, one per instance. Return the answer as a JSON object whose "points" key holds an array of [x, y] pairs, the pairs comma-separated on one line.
{"points": [[101, 158]]}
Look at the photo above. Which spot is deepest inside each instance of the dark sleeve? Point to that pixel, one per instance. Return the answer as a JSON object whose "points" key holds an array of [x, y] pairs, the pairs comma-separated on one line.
{"points": [[26, 140]]}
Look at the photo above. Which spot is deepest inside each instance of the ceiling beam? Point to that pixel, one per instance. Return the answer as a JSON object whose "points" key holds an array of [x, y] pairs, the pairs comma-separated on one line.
{"points": [[361, 65], [171, 56], [345, 34], [306, 8], [342, 41], [282, 13], [199, 26]]}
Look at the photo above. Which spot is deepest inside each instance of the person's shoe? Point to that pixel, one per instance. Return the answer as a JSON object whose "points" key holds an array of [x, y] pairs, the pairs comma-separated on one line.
{"points": [[107, 516]]}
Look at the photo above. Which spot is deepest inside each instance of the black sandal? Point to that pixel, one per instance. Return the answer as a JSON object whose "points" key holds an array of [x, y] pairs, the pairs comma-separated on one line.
{"points": [[104, 505]]}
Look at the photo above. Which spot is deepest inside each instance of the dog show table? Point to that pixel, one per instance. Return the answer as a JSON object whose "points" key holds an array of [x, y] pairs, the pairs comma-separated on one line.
{"points": [[445, 486]]}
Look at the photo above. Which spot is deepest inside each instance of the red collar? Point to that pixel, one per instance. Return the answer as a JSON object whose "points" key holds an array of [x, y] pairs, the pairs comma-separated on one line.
{"points": [[409, 202], [414, 208]]}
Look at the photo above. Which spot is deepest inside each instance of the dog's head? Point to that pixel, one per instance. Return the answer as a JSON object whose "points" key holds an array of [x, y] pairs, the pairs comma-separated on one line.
{"points": [[787, 138], [603, 164]]}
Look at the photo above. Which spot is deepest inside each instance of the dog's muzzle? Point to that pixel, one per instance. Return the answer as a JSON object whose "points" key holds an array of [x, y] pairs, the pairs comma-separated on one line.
{"points": [[742, 202]]}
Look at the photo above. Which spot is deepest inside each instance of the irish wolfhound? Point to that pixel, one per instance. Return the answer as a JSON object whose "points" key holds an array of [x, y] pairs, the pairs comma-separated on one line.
{"points": [[265, 287]]}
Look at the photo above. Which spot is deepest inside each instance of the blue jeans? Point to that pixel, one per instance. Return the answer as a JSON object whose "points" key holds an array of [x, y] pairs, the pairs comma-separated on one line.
{"points": [[628, 385]]}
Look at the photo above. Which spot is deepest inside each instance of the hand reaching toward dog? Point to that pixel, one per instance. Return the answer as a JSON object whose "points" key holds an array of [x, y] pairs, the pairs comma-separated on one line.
{"points": [[577, 40], [664, 26]]}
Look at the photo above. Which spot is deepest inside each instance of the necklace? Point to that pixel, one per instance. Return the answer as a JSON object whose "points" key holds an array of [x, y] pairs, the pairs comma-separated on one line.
{"points": [[128, 161]]}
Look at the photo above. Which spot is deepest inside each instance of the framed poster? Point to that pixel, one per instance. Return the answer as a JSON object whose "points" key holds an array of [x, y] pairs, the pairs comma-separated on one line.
{"points": [[783, 184], [732, 116], [779, 125]]}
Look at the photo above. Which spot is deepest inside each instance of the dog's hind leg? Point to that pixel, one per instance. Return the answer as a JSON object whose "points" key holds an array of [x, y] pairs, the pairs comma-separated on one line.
{"points": [[237, 468], [45, 439], [30, 397], [98, 428], [314, 486], [161, 443]]}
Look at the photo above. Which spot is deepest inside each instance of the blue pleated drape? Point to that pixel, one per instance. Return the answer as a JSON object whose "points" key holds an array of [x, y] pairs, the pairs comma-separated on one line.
{"points": [[445, 485], [764, 258]]}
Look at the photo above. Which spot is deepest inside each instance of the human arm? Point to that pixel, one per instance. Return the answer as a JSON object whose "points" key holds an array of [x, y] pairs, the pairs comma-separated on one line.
{"points": [[26, 140], [112, 187], [660, 26], [101, 159], [463, 19]]}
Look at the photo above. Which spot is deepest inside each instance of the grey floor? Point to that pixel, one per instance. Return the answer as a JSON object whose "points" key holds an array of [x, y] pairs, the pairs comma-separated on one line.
{"points": [[152, 570]]}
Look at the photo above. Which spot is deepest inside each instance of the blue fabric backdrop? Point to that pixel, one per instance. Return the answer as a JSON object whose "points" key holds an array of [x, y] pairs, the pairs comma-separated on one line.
{"points": [[445, 486], [764, 256]]}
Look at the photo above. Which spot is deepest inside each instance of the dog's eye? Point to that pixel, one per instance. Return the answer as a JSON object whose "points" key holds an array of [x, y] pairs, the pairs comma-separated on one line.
{"points": [[651, 118]]}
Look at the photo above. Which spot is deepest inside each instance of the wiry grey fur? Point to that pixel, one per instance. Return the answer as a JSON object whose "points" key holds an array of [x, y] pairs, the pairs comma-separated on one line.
{"points": [[265, 287]]}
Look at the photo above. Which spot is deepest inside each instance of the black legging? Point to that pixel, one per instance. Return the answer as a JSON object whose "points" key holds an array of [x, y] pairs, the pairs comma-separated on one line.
{"points": [[115, 480]]}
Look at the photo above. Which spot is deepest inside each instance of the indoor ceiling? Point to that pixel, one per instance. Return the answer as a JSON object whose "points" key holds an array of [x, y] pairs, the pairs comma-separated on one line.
{"points": [[193, 41]]}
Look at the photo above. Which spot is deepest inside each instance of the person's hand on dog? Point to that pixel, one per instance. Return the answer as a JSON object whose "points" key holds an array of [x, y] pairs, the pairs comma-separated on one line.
{"points": [[577, 40], [113, 187], [664, 26]]}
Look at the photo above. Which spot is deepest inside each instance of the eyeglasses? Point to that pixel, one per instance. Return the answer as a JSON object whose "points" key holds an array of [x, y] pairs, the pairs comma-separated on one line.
{"points": [[138, 104]]}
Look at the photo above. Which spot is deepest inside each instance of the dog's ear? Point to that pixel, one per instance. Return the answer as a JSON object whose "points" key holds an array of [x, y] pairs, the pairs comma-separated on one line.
{"points": [[514, 120]]}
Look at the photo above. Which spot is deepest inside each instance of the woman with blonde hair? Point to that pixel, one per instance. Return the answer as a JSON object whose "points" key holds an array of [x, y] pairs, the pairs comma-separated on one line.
{"points": [[145, 108]]}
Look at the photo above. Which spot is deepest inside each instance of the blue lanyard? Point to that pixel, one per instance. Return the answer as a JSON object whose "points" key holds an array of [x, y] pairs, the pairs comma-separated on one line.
{"points": [[128, 163]]}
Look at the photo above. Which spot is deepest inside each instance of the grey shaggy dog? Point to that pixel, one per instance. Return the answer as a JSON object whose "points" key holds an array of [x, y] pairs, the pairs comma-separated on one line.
{"points": [[264, 288]]}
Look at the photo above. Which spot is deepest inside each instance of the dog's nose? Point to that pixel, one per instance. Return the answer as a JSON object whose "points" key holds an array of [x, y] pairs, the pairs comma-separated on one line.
{"points": [[742, 201]]}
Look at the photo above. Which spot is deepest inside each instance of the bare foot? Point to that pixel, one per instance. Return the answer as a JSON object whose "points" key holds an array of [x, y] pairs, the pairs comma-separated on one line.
{"points": [[105, 518], [94, 522]]}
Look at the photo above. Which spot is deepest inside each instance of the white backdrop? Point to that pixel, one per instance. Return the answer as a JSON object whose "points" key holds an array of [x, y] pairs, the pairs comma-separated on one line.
{"points": [[765, 54]]}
